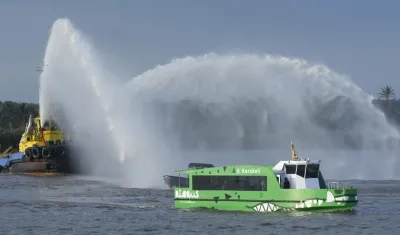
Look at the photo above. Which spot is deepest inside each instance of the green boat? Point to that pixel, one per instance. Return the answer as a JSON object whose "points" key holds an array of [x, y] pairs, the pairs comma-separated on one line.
{"points": [[293, 185]]}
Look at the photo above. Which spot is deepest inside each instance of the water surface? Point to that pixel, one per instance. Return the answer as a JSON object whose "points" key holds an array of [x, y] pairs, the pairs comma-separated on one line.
{"points": [[84, 205]]}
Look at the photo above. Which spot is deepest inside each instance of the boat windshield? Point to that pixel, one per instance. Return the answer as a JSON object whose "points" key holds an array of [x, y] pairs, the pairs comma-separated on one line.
{"points": [[303, 170], [52, 126], [290, 169], [312, 170]]}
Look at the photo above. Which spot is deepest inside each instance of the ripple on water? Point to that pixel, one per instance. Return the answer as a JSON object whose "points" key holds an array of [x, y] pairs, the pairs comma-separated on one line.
{"points": [[99, 208]]}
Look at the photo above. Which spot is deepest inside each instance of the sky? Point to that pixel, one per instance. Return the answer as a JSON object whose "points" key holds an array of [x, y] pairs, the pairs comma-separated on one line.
{"points": [[357, 38]]}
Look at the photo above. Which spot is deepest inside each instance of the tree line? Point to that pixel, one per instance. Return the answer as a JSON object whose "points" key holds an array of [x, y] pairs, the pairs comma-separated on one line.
{"points": [[13, 119], [14, 115]]}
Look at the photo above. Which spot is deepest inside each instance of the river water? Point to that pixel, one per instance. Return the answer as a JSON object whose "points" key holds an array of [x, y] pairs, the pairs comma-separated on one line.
{"points": [[85, 205]]}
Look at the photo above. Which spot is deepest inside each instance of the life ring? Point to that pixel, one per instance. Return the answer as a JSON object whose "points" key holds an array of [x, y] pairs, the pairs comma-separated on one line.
{"points": [[45, 152], [60, 150], [35, 153], [28, 154]]}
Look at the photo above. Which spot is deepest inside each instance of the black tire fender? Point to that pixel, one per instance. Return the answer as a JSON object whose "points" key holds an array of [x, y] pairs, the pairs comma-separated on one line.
{"points": [[35, 152], [60, 150], [46, 152], [28, 154]]}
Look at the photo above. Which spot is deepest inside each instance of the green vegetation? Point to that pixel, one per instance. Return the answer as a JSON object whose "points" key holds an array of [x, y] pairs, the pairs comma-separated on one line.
{"points": [[13, 118], [389, 105], [387, 93]]}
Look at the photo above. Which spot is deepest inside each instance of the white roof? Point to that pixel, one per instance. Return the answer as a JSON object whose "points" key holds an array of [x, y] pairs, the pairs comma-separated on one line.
{"points": [[279, 165]]}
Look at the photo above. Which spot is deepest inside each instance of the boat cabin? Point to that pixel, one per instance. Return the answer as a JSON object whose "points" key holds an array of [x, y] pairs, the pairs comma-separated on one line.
{"points": [[302, 174]]}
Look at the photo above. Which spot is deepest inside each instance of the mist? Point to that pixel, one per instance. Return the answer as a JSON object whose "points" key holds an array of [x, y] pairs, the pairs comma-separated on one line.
{"points": [[156, 123]]}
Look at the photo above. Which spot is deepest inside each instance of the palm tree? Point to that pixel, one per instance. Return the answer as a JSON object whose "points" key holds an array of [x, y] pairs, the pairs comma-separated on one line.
{"points": [[387, 93]]}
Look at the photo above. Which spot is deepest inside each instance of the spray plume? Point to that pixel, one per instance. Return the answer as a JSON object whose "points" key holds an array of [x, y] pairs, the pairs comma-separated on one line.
{"points": [[137, 130]]}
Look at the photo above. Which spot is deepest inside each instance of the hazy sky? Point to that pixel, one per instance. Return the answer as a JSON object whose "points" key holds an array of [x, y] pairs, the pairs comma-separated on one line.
{"points": [[357, 38]]}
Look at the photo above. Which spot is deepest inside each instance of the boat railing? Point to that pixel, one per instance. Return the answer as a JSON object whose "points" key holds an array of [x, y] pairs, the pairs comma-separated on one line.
{"points": [[339, 185]]}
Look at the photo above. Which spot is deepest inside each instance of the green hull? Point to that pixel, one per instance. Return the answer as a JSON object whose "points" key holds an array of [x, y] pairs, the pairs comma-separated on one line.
{"points": [[290, 200]]}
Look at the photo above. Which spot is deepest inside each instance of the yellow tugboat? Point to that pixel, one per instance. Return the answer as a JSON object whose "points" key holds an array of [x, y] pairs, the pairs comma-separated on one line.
{"points": [[42, 148]]}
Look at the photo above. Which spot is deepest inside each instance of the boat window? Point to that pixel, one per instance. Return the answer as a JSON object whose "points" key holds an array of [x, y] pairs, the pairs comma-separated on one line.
{"points": [[290, 169], [301, 170], [312, 171], [321, 180], [236, 183], [54, 125]]}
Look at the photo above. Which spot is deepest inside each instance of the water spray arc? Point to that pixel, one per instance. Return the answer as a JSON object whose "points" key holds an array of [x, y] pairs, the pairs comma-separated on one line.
{"points": [[211, 100], [97, 104], [82, 53]]}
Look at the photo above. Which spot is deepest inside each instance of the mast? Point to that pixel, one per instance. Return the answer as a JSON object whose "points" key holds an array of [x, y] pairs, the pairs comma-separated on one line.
{"points": [[294, 155]]}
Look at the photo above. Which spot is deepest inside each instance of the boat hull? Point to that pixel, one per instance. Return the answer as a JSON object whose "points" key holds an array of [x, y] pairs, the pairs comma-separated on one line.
{"points": [[61, 162], [323, 200], [293, 185]]}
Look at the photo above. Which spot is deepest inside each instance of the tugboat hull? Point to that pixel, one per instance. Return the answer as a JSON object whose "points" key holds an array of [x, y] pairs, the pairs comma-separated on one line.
{"points": [[19, 167], [59, 160]]}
